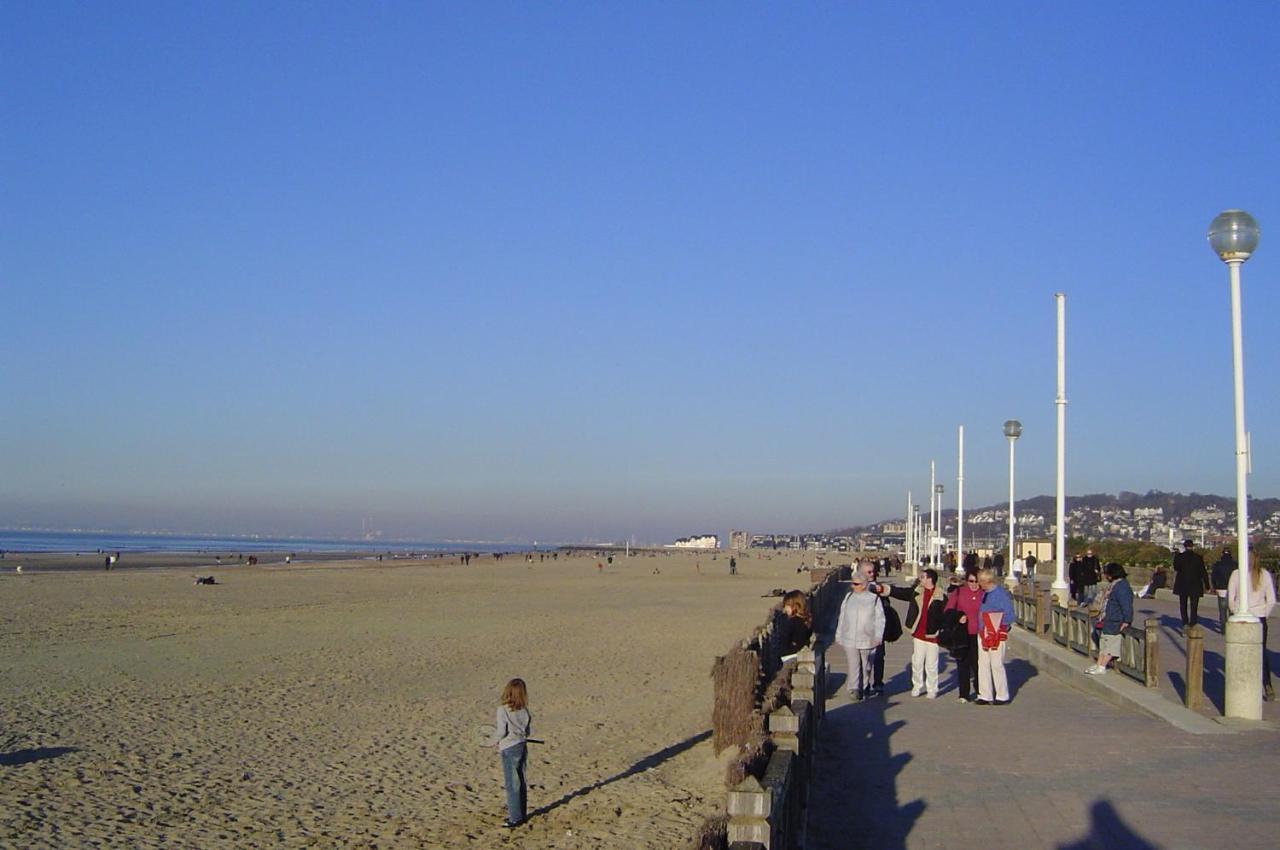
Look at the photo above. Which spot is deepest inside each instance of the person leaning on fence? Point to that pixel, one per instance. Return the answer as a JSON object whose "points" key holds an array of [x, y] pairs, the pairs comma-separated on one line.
{"points": [[796, 626], [859, 630], [1262, 598], [995, 618], [923, 622], [1114, 617]]}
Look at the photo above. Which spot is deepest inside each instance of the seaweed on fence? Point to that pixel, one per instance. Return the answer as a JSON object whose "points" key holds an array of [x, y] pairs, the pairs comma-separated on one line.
{"points": [[778, 693], [753, 757], [711, 834], [735, 676]]}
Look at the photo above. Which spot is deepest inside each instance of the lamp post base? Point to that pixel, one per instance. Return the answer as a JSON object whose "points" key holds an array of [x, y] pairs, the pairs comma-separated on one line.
{"points": [[1062, 594], [1244, 670]]}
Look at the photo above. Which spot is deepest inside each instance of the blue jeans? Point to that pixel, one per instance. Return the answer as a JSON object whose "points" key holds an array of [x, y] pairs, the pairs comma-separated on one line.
{"points": [[513, 759]]}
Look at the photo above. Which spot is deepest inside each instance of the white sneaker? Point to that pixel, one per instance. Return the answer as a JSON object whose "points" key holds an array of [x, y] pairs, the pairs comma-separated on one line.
{"points": [[1095, 670], [917, 693], [931, 696]]}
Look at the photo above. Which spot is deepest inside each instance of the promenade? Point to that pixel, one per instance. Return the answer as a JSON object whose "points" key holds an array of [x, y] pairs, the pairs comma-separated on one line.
{"points": [[1059, 767]]}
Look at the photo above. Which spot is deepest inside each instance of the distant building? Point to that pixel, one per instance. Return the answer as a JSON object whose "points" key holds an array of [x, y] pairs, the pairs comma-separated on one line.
{"points": [[697, 541], [739, 540]]}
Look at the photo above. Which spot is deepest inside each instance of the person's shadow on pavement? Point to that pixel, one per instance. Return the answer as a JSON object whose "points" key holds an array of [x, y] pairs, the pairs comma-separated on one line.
{"points": [[1108, 831], [853, 802]]}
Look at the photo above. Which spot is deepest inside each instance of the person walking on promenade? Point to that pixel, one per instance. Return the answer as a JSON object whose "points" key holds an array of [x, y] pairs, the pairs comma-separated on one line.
{"points": [[510, 736], [1092, 572], [1115, 616], [859, 630], [1190, 581], [1262, 598], [995, 616], [924, 620], [1075, 578], [966, 601], [797, 624], [1219, 577]]}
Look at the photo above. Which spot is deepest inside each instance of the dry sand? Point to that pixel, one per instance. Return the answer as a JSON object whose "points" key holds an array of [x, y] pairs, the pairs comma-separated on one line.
{"points": [[336, 704]]}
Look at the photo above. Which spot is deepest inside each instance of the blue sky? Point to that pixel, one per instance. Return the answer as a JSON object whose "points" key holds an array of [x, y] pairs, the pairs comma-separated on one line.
{"points": [[566, 271]]}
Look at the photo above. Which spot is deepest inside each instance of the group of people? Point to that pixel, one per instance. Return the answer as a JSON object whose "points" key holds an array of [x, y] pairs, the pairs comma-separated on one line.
{"points": [[1084, 573], [970, 618]]}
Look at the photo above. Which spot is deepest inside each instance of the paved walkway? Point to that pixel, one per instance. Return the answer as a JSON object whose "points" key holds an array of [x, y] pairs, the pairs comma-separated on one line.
{"points": [[1056, 768]]}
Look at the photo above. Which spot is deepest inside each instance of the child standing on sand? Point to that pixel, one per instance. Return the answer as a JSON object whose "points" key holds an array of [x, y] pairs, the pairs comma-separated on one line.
{"points": [[511, 731]]}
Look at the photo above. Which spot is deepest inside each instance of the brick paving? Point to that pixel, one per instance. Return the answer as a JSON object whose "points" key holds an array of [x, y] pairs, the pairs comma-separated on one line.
{"points": [[1056, 768]]}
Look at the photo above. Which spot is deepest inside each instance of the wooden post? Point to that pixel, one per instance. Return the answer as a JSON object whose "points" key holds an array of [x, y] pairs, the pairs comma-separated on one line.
{"points": [[1044, 607], [1152, 664], [1195, 668]]}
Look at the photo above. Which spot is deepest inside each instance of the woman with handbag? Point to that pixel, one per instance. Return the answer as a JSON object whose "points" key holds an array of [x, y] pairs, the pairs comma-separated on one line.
{"points": [[965, 601]]}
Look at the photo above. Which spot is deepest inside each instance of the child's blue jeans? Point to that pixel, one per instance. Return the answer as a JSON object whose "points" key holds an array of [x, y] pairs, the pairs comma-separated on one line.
{"points": [[513, 760]]}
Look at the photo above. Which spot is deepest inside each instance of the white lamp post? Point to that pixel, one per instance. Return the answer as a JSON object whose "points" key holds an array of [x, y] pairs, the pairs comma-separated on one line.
{"points": [[937, 540], [933, 499], [960, 507], [1233, 236], [1012, 430], [1061, 591]]}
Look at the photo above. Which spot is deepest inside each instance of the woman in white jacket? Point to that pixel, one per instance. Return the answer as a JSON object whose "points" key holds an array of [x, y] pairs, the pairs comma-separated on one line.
{"points": [[1262, 598], [860, 630]]}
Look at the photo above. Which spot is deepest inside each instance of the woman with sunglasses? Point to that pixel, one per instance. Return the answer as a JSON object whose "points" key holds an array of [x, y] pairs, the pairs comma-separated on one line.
{"points": [[966, 599]]}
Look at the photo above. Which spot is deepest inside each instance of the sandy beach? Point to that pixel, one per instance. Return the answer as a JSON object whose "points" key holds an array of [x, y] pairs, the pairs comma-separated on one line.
{"points": [[336, 704]]}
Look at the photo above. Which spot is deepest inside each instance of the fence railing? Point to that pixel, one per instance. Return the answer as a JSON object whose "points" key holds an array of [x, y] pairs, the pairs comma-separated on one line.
{"points": [[766, 809]]}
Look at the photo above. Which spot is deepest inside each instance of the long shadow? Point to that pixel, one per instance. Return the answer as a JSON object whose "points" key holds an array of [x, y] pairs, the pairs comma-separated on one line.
{"points": [[1108, 831], [651, 760], [853, 802], [1018, 671], [1215, 680], [31, 754]]}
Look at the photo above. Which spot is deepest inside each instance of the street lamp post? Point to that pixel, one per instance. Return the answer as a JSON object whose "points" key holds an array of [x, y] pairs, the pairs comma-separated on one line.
{"points": [[1061, 590], [938, 489], [1233, 236], [933, 498], [1012, 430], [960, 506]]}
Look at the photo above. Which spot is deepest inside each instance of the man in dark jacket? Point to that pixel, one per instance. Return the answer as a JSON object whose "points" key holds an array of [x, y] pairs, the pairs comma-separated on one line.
{"points": [[1190, 581], [925, 615], [1092, 573], [1222, 570]]}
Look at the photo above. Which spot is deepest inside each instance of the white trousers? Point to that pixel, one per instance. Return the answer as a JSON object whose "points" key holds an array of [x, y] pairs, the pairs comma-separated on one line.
{"points": [[859, 668], [991, 674], [924, 666]]}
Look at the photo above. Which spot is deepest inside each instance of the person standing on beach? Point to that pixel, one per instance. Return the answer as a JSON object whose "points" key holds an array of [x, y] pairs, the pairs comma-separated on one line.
{"points": [[510, 736], [733, 566], [1190, 582]]}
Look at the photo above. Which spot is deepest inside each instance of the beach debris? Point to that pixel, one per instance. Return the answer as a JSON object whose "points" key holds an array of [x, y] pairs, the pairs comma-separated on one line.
{"points": [[206, 580], [18, 569]]}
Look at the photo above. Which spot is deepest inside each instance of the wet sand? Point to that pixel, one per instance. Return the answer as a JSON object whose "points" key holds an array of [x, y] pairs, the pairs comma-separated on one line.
{"points": [[335, 704]]}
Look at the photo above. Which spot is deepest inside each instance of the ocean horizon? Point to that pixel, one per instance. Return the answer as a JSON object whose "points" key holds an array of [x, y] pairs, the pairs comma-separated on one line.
{"points": [[113, 541]]}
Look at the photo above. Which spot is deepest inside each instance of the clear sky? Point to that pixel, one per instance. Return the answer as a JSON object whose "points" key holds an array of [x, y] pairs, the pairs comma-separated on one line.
{"points": [[593, 270]]}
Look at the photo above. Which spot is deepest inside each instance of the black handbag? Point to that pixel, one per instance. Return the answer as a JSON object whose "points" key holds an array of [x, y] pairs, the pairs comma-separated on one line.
{"points": [[892, 622]]}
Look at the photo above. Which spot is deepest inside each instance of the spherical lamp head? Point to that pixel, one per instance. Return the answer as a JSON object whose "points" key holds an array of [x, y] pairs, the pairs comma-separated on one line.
{"points": [[1013, 429], [1233, 236]]}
